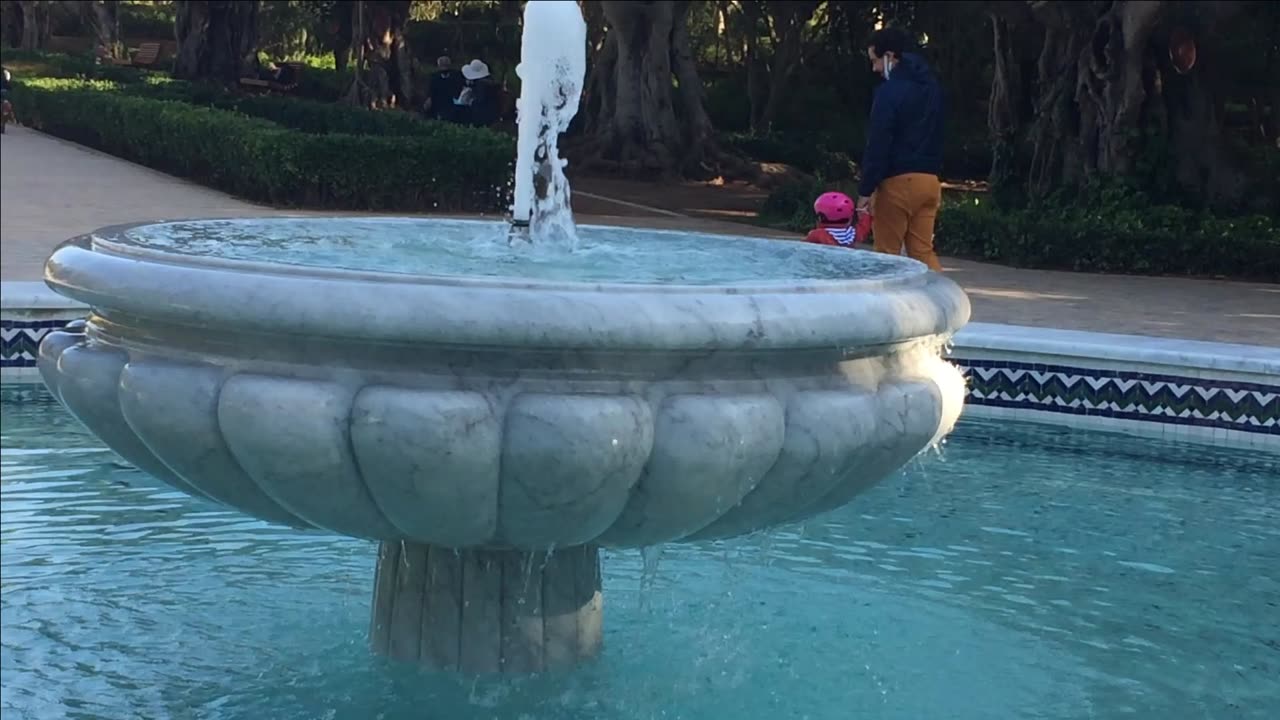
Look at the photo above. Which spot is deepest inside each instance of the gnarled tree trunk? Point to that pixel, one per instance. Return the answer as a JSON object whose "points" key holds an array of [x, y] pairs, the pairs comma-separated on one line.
{"points": [[642, 133], [1003, 104], [698, 132], [787, 20], [386, 77], [217, 40], [104, 18], [634, 125], [1108, 102], [757, 69], [35, 24]]}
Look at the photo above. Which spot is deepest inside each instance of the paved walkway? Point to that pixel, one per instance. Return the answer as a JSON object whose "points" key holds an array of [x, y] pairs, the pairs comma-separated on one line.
{"points": [[51, 190]]}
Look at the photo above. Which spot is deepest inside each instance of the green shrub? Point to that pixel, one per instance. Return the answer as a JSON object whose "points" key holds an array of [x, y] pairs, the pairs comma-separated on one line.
{"points": [[321, 118], [265, 162], [790, 206], [1150, 240], [1103, 229], [323, 84], [307, 116], [802, 151], [147, 21], [25, 64]]}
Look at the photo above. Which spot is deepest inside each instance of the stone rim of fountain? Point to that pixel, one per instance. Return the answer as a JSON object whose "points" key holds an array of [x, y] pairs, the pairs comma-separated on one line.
{"points": [[104, 272], [336, 399]]}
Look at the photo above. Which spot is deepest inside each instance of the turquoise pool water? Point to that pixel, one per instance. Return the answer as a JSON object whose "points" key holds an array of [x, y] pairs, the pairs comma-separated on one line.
{"points": [[478, 248], [1024, 572]]}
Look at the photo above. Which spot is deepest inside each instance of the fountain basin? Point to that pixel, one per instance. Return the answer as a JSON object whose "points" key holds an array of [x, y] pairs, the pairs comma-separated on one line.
{"points": [[498, 412]]}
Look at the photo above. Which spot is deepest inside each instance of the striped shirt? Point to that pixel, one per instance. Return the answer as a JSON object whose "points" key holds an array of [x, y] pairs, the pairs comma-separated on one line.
{"points": [[842, 235]]}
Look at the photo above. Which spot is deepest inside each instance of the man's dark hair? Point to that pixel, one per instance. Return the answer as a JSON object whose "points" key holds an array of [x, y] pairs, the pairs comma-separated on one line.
{"points": [[891, 39]]}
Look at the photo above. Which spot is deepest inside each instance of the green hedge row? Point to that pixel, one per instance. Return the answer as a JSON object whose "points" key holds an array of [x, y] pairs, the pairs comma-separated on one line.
{"points": [[307, 116], [802, 152], [58, 71], [1106, 232], [314, 83], [38, 63], [310, 116], [1152, 240], [266, 162]]}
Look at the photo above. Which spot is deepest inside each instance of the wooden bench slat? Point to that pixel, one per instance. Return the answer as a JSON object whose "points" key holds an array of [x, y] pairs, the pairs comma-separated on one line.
{"points": [[147, 54]]}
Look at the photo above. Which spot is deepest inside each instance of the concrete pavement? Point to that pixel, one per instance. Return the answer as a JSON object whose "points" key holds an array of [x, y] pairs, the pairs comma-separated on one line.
{"points": [[51, 190]]}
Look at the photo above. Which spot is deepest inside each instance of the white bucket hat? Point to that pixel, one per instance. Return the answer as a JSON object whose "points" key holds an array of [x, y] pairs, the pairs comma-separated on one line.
{"points": [[475, 70]]}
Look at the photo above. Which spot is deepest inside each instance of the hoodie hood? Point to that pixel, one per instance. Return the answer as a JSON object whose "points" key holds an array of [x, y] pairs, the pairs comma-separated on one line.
{"points": [[911, 68], [905, 133]]}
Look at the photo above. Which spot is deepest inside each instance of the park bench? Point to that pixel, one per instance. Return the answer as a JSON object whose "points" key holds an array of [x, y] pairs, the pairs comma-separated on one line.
{"points": [[271, 85], [145, 55]]}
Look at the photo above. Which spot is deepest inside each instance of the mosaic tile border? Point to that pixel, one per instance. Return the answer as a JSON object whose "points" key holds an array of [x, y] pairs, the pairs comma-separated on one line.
{"points": [[1124, 395], [20, 340], [1069, 390]]}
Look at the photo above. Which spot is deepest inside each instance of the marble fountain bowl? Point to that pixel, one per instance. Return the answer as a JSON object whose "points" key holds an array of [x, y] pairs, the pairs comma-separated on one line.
{"points": [[420, 383]]}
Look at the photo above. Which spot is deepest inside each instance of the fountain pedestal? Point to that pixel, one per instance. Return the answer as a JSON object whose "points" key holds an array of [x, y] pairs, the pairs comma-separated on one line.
{"points": [[487, 611], [500, 414]]}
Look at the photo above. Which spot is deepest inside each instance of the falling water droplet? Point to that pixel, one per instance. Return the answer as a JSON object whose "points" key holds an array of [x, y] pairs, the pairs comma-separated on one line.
{"points": [[650, 555], [528, 575]]}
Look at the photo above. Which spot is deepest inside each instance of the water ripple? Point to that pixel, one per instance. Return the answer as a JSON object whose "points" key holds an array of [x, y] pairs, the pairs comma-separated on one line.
{"points": [[1039, 576]]}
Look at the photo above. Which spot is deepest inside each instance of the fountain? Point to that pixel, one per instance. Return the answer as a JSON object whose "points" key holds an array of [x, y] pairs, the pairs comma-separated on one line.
{"points": [[553, 65], [492, 417]]}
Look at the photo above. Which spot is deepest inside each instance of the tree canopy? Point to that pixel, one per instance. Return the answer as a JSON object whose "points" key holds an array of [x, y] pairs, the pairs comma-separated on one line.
{"points": [[1173, 96]]}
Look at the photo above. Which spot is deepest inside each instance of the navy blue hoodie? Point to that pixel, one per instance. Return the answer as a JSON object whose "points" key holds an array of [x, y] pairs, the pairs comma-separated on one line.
{"points": [[905, 135]]}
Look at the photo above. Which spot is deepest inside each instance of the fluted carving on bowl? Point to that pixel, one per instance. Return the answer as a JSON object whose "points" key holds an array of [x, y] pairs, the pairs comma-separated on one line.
{"points": [[87, 383], [709, 452], [173, 409], [436, 457], [461, 468], [568, 465]]}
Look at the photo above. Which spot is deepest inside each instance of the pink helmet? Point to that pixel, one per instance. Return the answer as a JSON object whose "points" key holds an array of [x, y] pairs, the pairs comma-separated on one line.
{"points": [[834, 206]]}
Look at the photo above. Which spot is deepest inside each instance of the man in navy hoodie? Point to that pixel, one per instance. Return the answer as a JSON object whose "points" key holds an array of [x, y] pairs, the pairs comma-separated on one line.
{"points": [[904, 150]]}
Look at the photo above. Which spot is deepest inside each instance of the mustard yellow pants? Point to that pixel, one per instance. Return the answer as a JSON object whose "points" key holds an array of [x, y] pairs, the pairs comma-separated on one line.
{"points": [[904, 209]]}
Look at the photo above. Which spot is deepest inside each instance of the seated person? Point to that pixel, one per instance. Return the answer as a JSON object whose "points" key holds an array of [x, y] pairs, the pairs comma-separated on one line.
{"points": [[477, 104], [444, 87], [835, 212]]}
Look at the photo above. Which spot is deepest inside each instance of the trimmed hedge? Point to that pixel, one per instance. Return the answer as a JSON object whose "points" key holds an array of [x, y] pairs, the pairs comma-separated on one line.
{"points": [[316, 83], [1107, 232], [25, 64], [311, 116], [790, 205], [803, 152], [266, 162], [308, 116], [1152, 240]]}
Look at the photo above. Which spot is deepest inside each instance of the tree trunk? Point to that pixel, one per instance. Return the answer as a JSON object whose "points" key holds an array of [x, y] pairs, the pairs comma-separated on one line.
{"points": [[1273, 124], [35, 24], [360, 93], [1108, 103], [11, 24], [633, 125], [1196, 115], [1060, 123], [104, 17], [383, 55], [788, 19], [338, 22], [217, 40], [597, 101], [1112, 85], [1003, 118], [757, 73], [641, 133], [699, 136]]}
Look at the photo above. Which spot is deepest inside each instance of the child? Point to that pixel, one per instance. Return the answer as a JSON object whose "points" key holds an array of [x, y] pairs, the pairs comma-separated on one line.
{"points": [[835, 213]]}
